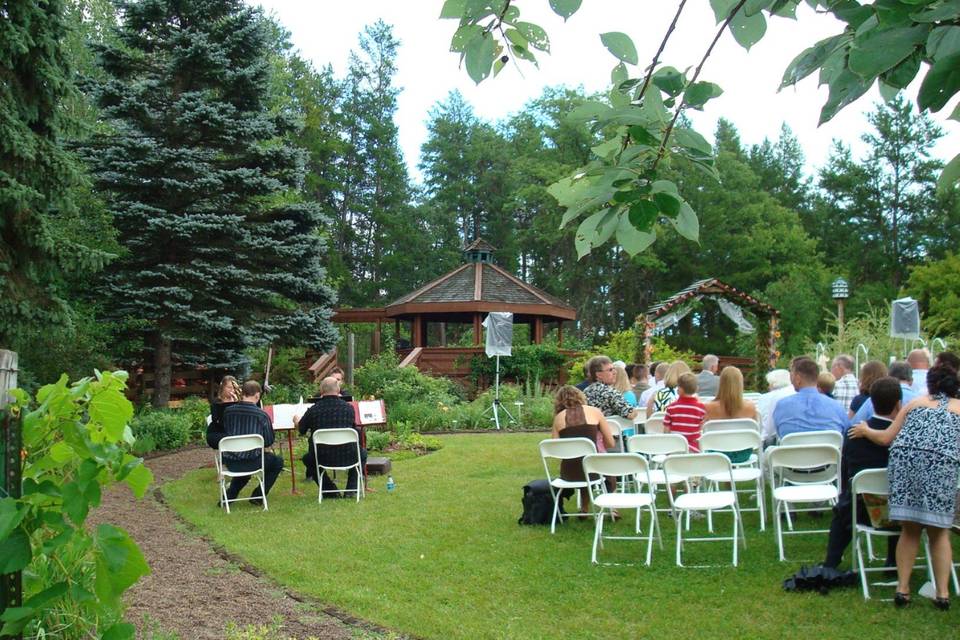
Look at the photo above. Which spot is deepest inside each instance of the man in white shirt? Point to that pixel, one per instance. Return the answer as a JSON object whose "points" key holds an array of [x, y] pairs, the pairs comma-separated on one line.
{"points": [[919, 361], [846, 387], [658, 373], [778, 381]]}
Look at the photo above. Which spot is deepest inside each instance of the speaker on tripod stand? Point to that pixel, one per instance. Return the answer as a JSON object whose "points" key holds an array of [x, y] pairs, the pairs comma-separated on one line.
{"points": [[499, 332]]}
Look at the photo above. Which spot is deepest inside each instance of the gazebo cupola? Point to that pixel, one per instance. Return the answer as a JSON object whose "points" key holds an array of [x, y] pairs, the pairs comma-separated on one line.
{"points": [[479, 251]]}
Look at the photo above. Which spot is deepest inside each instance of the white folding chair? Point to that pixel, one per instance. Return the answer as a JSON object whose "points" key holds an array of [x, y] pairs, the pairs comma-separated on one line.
{"points": [[654, 424], [655, 447], [813, 489], [565, 449], [872, 481], [239, 444], [732, 424], [749, 471], [827, 436], [617, 465], [622, 428], [690, 465], [336, 437], [752, 396]]}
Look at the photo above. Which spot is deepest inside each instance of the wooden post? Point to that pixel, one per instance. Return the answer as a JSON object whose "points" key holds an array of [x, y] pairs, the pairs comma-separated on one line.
{"points": [[11, 584], [351, 354], [376, 337], [416, 337], [559, 333], [443, 334], [396, 333], [537, 330], [8, 375], [477, 330]]}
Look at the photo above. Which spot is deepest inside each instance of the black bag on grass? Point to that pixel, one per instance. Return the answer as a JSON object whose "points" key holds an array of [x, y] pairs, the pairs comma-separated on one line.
{"points": [[537, 503]]}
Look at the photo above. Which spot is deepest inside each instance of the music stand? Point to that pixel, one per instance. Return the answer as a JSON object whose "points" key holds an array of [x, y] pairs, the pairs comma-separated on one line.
{"points": [[499, 326]]}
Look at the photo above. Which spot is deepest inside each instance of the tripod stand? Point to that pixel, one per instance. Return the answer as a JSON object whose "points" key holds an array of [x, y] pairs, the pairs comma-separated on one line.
{"points": [[497, 406]]}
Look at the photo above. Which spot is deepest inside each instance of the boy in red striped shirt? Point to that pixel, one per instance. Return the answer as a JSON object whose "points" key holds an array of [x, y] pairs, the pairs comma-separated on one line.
{"points": [[685, 415]]}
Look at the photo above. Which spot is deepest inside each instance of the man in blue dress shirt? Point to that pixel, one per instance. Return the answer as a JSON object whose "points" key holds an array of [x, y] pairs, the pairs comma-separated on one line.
{"points": [[904, 374], [808, 410]]}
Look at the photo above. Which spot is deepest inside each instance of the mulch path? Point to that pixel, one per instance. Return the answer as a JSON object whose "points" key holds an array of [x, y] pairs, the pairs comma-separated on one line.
{"points": [[194, 589]]}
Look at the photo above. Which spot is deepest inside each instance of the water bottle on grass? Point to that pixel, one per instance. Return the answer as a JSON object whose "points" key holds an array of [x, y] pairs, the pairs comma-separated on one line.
{"points": [[391, 485]]}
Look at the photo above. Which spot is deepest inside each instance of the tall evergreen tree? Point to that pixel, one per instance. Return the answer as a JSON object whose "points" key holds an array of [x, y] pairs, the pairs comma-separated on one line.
{"points": [[779, 165], [38, 178], [204, 188]]}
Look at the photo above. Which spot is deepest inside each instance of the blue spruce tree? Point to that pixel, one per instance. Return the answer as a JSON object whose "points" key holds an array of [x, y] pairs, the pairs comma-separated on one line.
{"points": [[204, 186]]}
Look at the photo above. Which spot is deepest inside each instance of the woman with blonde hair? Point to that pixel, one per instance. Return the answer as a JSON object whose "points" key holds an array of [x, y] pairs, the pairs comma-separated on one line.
{"points": [[621, 383], [729, 403], [575, 419], [663, 397], [227, 394]]}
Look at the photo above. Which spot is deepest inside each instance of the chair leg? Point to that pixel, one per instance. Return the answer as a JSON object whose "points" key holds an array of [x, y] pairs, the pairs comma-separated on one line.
{"points": [[677, 517], [736, 521], [263, 490], [652, 526], [861, 569], [760, 504], [597, 535], [779, 527], [556, 510]]}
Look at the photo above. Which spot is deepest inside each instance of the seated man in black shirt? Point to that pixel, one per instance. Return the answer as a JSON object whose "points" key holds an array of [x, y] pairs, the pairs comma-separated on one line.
{"points": [[859, 454], [246, 418], [330, 412]]}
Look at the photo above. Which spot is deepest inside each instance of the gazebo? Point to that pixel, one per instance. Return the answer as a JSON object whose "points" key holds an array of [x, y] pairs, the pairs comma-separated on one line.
{"points": [[732, 303], [460, 297]]}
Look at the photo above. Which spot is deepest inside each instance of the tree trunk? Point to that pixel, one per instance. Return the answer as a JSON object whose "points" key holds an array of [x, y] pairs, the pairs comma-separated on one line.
{"points": [[162, 370]]}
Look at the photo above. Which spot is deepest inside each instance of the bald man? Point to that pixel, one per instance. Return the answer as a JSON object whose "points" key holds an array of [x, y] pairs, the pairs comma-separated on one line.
{"points": [[330, 412], [919, 361]]}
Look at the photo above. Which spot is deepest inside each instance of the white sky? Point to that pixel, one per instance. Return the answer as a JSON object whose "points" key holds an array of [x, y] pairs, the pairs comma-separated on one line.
{"points": [[326, 30]]}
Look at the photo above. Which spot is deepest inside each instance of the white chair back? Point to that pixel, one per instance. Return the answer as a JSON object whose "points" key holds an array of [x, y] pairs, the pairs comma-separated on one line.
{"points": [[732, 424], [805, 457], [730, 441], [871, 481], [616, 464], [566, 448], [332, 437], [653, 444], [687, 465], [654, 424], [833, 438], [239, 444]]}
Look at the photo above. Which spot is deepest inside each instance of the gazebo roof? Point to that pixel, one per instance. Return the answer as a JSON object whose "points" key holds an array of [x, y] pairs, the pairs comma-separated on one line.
{"points": [[708, 286], [480, 286]]}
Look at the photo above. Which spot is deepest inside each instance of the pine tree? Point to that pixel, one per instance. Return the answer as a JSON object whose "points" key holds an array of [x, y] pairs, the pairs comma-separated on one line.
{"points": [[203, 183], [38, 178]]}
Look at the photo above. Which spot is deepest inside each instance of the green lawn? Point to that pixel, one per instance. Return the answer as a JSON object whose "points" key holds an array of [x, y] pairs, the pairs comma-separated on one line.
{"points": [[443, 557]]}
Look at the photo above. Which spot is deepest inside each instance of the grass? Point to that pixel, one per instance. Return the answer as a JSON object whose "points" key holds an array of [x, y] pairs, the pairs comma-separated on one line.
{"points": [[443, 557]]}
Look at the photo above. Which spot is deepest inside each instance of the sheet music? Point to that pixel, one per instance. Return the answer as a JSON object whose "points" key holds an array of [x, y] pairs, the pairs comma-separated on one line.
{"points": [[371, 412], [283, 414]]}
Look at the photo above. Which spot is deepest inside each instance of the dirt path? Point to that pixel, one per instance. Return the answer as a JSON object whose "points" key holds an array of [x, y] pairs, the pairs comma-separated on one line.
{"points": [[193, 589]]}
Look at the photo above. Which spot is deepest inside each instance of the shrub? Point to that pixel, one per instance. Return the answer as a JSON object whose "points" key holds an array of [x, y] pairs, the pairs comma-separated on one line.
{"points": [[289, 393], [378, 440], [164, 429], [381, 378], [529, 365]]}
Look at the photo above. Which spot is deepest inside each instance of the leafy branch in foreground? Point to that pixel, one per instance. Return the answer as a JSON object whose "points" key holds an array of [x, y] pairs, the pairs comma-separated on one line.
{"points": [[623, 189], [76, 442]]}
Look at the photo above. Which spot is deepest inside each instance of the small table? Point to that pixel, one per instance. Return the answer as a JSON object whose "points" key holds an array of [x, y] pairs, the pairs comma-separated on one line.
{"points": [[293, 472]]}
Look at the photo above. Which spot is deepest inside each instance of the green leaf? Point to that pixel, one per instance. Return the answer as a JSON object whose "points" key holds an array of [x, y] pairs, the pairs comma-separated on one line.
{"points": [[844, 89], [697, 94], [632, 239], [641, 135], [75, 503], [453, 9], [903, 74], [606, 227], [589, 110], [938, 12], [53, 592], [811, 59], [668, 204], [887, 91], [112, 411], [643, 214], [565, 8], [748, 30], [11, 515], [619, 75], [583, 238], [534, 34], [940, 84], [61, 452], [463, 36], [785, 8], [120, 631], [669, 80], [956, 114], [604, 149], [687, 224], [878, 51], [950, 175], [479, 57], [620, 45], [665, 186], [119, 563], [653, 109], [943, 42], [722, 9], [692, 140], [753, 7], [15, 553]]}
